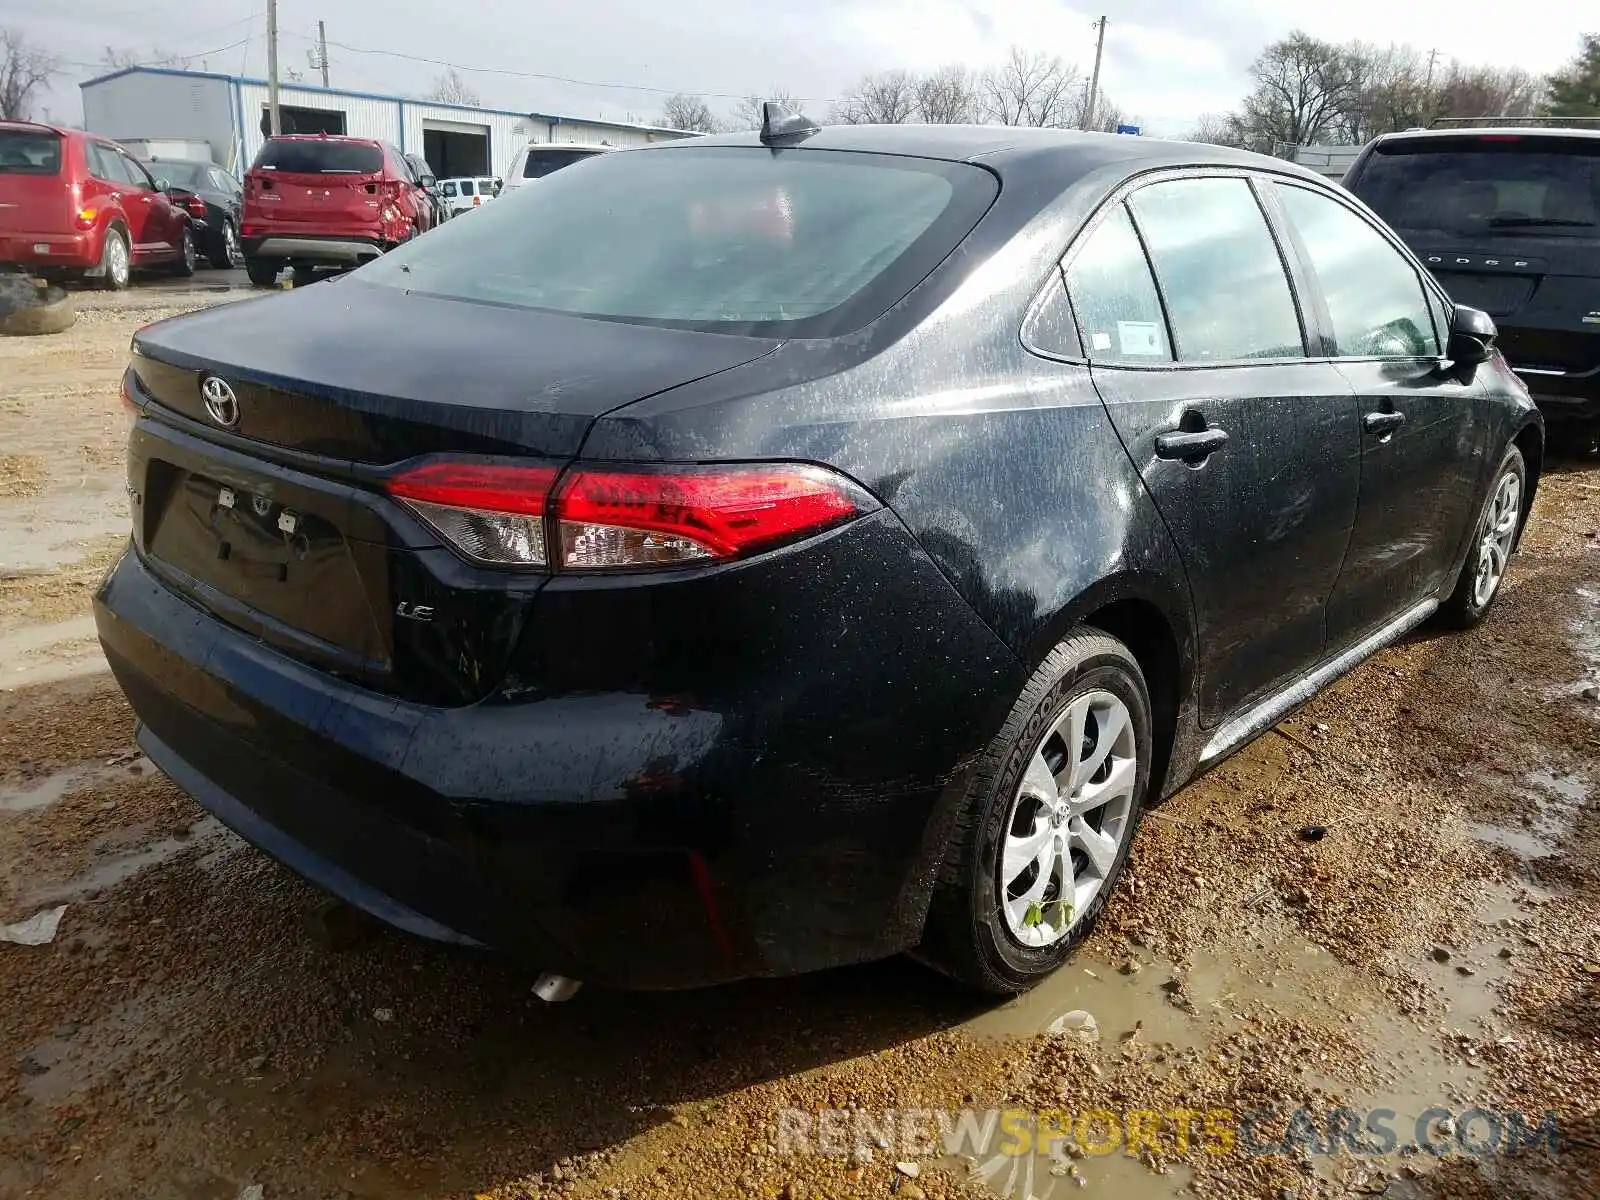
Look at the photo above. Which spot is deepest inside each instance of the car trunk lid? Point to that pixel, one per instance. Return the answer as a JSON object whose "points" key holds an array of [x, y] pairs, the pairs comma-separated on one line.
{"points": [[278, 523]]}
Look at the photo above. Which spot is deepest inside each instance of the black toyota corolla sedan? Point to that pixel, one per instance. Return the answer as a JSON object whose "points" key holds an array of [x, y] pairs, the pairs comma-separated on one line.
{"points": [[758, 553]]}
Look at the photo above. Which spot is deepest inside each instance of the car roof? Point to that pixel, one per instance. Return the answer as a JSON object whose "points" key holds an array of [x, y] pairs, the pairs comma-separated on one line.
{"points": [[16, 124], [323, 137], [1015, 149]]}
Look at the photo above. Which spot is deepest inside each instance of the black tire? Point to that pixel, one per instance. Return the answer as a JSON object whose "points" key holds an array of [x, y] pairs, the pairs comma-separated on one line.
{"points": [[184, 267], [304, 277], [263, 272], [225, 255], [115, 272], [966, 937], [1465, 607]]}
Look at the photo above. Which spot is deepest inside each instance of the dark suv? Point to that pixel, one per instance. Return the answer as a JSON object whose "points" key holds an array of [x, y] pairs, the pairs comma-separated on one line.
{"points": [[1508, 220]]}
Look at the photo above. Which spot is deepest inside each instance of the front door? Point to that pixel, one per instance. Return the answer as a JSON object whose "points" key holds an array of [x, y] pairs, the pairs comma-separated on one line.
{"points": [[163, 220], [1418, 425], [1249, 448]]}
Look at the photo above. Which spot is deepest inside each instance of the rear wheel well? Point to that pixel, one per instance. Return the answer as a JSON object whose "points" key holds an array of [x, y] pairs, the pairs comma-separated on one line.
{"points": [[1144, 630], [1531, 442]]}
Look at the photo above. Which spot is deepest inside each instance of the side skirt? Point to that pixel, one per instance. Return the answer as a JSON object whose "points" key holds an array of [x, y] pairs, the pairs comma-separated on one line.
{"points": [[1236, 731]]}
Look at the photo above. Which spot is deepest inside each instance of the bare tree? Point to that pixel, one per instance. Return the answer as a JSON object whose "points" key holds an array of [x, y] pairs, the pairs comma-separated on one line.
{"points": [[1302, 86], [689, 112], [947, 96], [747, 112], [118, 60], [1468, 91], [1105, 119], [887, 98], [1029, 89], [1219, 129], [450, 88], [23, 71]]}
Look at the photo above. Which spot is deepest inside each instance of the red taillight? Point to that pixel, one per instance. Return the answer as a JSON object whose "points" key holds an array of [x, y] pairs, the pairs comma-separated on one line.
{"points": [[196, 207], [85, 218], [636, 518], [604, 518]]}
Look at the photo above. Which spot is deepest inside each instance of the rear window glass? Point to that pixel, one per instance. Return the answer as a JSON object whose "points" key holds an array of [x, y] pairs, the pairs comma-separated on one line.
{"points": [[543, 162], [1485, 185], [24, 152], [321, 158], [183, 175], [793, 243]]}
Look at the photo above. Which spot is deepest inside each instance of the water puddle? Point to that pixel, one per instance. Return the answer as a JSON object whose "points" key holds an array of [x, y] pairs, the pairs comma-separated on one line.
{"points": [[1555, 802], [119, 868], [41, 793]]}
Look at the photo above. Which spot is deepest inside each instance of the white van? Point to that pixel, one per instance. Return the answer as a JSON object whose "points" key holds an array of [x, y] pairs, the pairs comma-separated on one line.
{"points": [[538, 159], [464, 194]]}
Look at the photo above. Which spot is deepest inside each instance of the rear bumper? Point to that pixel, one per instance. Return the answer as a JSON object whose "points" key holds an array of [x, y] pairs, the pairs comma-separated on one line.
{"points": [[312, 248], [610, 834], [1568, 396], [72, 251]]}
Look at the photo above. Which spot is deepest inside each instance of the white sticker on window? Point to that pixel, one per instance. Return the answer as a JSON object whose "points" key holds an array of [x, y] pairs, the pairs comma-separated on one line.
{"points": [[1140, 338], [1101, 341]]}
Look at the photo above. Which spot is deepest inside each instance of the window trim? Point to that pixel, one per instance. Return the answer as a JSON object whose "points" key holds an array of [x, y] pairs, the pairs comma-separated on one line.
{"points": [[1296, 280], [1428, 284], [1054, 286]]}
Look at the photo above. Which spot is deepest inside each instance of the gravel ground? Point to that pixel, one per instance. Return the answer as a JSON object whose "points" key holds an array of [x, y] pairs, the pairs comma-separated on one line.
{"points": [[203, 1024]]}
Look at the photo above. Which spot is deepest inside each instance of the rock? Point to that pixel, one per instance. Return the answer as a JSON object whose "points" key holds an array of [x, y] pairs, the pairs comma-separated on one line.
{"points": [[1505, 952], [255, 1063], [1313, 833], [1463, 969], [1131, 967], [1592, 692], [1439, 954], [32, 1066], [909, 1169], [254, 1192], [383, 1015], [1078, 1024], [794, 1191], [912, 1192]]}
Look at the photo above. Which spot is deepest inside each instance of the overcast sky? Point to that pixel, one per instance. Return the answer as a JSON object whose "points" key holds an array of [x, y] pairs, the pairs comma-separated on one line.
{"points": [[1166, 61]]}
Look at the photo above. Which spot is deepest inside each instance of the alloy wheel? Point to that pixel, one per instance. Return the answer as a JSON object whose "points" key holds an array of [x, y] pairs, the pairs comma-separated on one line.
{"points": [[230, 245], [1496, 536], [117, 260], [1068, 820]]}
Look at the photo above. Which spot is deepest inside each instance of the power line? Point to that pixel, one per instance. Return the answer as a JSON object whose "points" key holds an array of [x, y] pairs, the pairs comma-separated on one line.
{"points": [[623, 87]]}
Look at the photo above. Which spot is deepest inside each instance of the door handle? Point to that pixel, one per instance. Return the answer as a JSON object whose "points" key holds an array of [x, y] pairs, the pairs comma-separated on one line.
{"points": [[1192, 447], [1383, 422]]}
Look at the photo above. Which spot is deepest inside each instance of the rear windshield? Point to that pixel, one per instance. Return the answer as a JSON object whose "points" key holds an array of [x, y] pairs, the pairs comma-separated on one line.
{"points": [[27, 152], [792, 243], [321, 158], [543, 162], [1487, 185]]}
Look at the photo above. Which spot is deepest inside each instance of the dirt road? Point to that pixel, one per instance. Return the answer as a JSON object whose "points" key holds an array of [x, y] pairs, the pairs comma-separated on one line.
{"points": [[201, 1027]]}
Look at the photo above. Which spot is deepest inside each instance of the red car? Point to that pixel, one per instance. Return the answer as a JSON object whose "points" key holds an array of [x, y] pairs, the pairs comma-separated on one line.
{"points": [[72, 203], [313, 201]]}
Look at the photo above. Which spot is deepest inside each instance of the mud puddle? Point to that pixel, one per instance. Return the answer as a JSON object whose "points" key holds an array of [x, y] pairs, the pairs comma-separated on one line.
{"points": [[1554, 800], [41, 793]]}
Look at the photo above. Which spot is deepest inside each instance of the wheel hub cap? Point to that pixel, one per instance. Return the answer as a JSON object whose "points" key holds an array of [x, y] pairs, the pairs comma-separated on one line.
{"points": [[1068, 820], [1495, 537]]}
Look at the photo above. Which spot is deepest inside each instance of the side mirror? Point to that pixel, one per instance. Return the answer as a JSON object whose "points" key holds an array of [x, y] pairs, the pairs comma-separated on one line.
{"points": [[428, 181], [1472, 334], [163, 185]]}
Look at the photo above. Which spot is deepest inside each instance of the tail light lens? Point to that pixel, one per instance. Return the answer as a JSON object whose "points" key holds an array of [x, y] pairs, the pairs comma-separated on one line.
{"points": [[85, 217], [603, 519], [196, 207]]}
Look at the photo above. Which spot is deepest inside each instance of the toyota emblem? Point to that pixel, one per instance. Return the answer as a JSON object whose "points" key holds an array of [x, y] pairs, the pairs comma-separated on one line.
{"points": [[222, 406]]}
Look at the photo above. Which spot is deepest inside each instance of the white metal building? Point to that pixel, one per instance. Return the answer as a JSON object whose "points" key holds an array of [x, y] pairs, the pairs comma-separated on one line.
{"points": [[228, 112]]}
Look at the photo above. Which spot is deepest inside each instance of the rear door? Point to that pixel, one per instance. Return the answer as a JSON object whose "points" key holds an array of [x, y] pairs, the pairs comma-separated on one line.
{"points": [[1423, 449], [1246, 443], [117, 190], [35, 191], [164, 221], [1508, 222]]}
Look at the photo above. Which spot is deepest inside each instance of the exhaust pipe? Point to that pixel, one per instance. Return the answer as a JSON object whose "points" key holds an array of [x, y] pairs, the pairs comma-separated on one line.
{"points": [[553, 989]]}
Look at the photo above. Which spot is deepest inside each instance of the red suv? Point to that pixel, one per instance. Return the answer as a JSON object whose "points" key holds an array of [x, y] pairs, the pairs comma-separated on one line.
{"points": [[312, 201], [72, 203]]}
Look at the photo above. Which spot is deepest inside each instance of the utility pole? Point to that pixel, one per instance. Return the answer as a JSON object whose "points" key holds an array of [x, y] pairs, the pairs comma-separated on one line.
{"points": [[1094, 80], [322, 51], [273, 123], [1432, 54]]}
